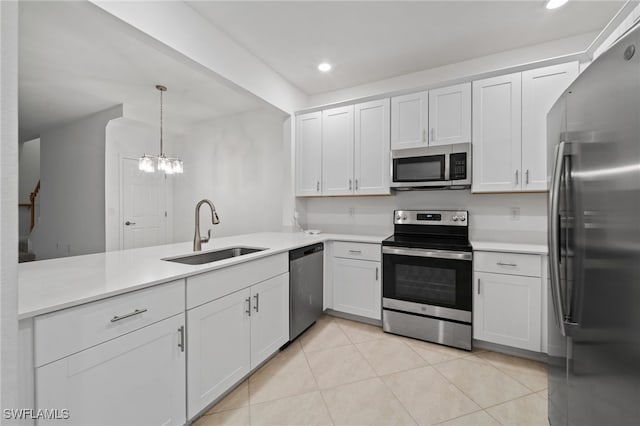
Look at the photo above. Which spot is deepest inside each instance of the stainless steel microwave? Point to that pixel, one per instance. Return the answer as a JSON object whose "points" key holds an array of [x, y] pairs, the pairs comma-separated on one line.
{"points": [[438, 167]]}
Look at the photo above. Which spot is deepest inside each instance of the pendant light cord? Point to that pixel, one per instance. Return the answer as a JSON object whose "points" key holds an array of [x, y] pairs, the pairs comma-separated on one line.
{"points": [[161, 151]]}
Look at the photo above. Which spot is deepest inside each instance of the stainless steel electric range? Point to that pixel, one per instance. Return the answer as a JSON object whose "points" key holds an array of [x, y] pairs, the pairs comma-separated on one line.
{"points": [[427, 277]]}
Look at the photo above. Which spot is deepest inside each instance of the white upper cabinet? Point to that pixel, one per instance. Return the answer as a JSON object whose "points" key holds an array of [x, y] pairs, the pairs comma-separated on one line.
{"points": [[371, 154], [309, 154], [497, 134], [450, 115], [337, 151], [409, 120], [540, 89]]}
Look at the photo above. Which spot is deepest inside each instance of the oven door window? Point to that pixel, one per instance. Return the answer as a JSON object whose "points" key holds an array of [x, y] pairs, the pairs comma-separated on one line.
{"points": [[429, 281], [419, 169]]}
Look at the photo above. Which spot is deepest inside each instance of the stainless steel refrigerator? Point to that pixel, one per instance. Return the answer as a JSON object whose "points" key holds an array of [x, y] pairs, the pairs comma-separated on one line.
{"points": [[594, 243]]}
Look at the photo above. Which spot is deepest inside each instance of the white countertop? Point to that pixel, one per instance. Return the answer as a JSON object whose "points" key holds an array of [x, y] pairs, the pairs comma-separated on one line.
{"points": [[50, 285], [510, 247]]}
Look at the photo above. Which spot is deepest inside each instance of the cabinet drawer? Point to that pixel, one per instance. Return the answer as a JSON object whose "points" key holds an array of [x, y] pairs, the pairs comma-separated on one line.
{"points": [[213, 285], [68, 331], [507, 263], [363, 251]]}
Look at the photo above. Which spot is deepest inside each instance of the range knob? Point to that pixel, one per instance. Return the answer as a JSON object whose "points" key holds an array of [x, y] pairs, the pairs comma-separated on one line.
{"points": [[404, 217], [463, 218], [398, 217], [454, 218]]}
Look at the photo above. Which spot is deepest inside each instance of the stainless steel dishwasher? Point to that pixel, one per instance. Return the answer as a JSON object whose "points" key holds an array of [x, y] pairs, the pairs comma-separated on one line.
{"points": [[305, 287]]}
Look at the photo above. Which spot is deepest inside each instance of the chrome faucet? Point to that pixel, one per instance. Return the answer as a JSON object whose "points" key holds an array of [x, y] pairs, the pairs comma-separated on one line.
{"points": [[197, 240]]}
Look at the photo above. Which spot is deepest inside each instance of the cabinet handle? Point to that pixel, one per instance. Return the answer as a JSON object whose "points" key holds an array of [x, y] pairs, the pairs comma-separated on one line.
{"points": [[433, 134], [506, 264], [526, 176], [376, 273], [318, 186], [516, 177], [257, 297], [355, 251], [350, 184], [248, 300], [128, 223], [424, 135], [181, 343], [478, 285], [356, 184], [121, 317]]}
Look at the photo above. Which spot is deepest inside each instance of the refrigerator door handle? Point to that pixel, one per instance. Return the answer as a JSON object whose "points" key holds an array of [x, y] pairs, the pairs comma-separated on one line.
{"points": [[554, 239]]}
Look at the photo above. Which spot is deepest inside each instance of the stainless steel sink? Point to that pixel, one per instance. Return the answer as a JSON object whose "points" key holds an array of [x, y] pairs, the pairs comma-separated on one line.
{"points": [[213, 256]]}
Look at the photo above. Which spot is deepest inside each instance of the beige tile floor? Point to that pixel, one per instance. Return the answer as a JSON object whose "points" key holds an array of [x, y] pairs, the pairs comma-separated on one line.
{"points": [[346, 373]]}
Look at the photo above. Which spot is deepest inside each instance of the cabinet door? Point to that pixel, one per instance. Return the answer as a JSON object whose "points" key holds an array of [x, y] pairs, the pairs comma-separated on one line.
{"points": [[356, 287], [540, 89], [269, 317], [507, 310], [497, 134], [337, 151], [409, 118], [218, 348], [309, 154], [135, 379], [372, 151], [450, 115]]}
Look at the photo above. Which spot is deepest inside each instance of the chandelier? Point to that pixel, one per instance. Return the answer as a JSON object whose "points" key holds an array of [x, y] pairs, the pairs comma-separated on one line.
{"points": [[150, 163]]}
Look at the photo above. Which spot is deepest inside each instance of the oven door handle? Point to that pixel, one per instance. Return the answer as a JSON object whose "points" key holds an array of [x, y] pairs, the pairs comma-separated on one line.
{"points": [[438, 254]]}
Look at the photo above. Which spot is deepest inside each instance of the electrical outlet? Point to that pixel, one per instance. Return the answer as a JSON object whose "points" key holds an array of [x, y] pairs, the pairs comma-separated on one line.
{"points": [[352, 211], [515, 213]]}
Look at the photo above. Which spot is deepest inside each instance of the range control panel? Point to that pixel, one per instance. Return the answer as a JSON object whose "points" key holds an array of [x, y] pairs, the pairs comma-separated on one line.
{"points": [[433, 217]]}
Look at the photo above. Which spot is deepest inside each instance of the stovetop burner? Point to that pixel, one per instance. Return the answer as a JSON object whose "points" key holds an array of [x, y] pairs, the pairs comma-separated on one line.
{"points": [[434, 229]]}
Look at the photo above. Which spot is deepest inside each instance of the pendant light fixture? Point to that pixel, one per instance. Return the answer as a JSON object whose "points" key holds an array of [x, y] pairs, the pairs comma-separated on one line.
{"points": [[168, 165]]}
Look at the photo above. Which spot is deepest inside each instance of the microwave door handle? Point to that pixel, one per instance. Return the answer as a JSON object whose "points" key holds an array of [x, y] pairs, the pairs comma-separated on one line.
{"points": [[554, 236]]}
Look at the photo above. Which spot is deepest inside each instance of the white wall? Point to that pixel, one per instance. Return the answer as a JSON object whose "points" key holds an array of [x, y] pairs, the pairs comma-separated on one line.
{"points": [[8, 203], [29, 174], [242, 165], [490, 215], [460, 70], [72, 182], [127, 138]]}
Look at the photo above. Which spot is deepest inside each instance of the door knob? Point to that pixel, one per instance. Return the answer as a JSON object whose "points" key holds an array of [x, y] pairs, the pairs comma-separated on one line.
{"points": [[129, 223]]}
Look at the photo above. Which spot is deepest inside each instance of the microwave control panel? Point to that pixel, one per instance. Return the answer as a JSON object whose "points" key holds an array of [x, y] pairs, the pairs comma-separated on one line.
{"points": [[458, 166]]}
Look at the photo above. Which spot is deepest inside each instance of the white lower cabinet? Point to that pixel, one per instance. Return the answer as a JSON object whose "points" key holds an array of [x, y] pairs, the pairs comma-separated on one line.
{"points": [[357, 283], [507, 308], [218, 352], [137, 378], [230, 336]]}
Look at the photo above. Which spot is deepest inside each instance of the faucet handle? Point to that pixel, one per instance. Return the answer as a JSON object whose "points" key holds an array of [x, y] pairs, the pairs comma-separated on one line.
{"points": [[207, 238]]}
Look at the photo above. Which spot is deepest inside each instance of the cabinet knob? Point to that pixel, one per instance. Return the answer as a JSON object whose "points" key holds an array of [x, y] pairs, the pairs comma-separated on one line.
{"points": [[454, 218]]}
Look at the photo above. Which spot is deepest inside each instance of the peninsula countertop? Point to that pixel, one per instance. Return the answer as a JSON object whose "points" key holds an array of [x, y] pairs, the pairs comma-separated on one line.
{"points": [[50, 285]]}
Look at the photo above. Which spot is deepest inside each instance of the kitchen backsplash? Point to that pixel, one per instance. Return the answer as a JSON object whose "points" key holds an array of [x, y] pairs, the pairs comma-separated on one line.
{"points": [[518, 218]]}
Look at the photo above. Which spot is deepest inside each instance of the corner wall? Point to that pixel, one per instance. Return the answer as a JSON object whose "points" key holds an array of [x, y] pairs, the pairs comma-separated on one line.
{"points": [[72, 182], [242, 165]]}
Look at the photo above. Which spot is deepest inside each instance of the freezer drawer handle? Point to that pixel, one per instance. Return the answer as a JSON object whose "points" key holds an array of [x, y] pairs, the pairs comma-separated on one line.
{"points": [[130, 314]]}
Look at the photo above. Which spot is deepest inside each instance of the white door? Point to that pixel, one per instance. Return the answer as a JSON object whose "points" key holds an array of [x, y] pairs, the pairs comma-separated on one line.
{"points": [[337, 151], [135, 379], [372, 150], [309, 154], [540, 90], [356, 287], [409, 120], [144, 221], [450, 115], [269, 317], [497, 134], [507, 310], [218, 338]]}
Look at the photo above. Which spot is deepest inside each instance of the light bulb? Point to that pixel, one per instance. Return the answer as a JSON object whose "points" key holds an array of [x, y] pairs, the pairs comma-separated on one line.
{"points": [[554, 4], [324, 67]]}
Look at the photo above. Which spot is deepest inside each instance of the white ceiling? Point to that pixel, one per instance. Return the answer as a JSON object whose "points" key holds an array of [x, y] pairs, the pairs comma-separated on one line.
{"points": [[371, 40], [75, 59]]}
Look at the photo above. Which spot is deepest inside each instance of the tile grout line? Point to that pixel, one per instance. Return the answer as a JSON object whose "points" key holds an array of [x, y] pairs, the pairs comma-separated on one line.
{"points": [[398, 398], [324, 401]]}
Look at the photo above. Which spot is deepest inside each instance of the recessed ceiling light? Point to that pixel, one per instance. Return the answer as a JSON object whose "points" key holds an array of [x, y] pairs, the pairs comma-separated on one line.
{"points": [[324, 67], [554, 4]]}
